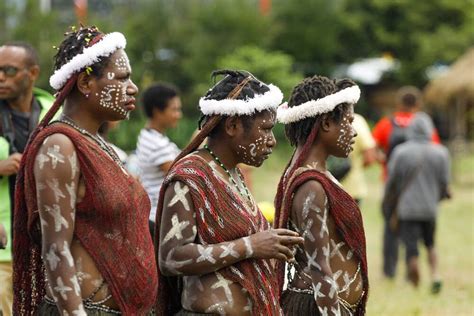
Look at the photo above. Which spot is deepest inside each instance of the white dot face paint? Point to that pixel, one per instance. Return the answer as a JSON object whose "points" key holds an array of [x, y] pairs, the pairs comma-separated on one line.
{"points": [[259, 140], [110, 97], [113, 94], [122, 63], [346, 133]]}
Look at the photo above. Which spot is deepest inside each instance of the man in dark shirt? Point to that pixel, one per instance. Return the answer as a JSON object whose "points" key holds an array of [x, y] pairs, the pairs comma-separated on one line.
{"points": [[21, 107]]}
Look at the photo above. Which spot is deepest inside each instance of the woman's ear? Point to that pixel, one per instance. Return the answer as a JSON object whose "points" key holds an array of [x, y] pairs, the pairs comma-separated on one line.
{"points": [[84, 83], [325, 123], [233, 125]]}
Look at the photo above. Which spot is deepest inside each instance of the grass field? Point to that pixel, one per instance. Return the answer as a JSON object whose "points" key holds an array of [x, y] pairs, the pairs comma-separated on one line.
{"points": [[454, 240]]}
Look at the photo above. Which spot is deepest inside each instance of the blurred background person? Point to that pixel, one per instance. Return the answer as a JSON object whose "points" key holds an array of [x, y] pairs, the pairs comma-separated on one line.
{"points": [[21, 107], [155, 151], [418, 178], [389, 132], [363, 155]]}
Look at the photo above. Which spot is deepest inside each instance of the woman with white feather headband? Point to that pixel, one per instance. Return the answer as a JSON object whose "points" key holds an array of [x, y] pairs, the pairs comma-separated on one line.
{"points": [[210, 236], [80, 246], [329, 273]]}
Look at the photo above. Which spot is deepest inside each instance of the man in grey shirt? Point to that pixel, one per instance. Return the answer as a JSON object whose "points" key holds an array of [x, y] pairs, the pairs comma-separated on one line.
{"points": [[419, 173]]}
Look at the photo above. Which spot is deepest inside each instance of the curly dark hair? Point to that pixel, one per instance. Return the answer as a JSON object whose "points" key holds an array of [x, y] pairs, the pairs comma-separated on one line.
{"points": [[74, 44], [314, 88]]}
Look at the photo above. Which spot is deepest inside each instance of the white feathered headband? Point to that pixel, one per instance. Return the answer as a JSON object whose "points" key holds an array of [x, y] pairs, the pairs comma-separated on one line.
{"points": [[230, 106], [105, 47], [313, 108]]}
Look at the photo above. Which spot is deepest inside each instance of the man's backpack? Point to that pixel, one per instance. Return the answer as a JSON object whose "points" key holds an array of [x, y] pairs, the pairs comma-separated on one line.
{"points": [[397, 136]]}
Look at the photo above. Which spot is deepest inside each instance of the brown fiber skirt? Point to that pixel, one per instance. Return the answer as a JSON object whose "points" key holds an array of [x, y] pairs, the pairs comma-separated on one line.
{"points": [[297, 304]]}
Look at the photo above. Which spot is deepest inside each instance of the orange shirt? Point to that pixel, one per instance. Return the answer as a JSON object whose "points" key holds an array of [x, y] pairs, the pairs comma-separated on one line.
{"points": [[383, 130]]}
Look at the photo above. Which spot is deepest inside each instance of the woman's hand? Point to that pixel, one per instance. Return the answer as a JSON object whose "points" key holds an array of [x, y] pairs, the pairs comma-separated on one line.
{"points": [[274, 243]]}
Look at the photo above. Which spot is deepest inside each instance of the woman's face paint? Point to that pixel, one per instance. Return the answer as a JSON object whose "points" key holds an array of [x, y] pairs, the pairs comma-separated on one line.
{"points": [[117, 90], [259, 141], [345, 134]]}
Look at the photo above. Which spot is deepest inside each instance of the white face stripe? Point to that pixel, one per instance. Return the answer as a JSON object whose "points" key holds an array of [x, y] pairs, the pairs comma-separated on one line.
{"points": [[110, 96]]}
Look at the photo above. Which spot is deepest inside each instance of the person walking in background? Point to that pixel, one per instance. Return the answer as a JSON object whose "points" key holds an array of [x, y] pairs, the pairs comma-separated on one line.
{"points": [[79, 246], [363, 155], [155, 151], [21, 107], [418, 178], [388, 133]]}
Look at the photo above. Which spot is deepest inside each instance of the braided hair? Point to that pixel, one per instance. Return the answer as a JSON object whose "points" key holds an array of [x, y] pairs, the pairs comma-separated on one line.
{"points": [[74, 43], [304, 132], [237, 85]]}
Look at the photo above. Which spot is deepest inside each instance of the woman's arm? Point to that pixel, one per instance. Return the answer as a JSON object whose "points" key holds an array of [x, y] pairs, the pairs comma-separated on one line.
{"points": [[310, 205], [57, 177], [180, 252]]}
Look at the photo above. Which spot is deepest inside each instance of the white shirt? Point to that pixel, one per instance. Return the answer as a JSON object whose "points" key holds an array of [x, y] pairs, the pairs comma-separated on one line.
{"points": [[153, 150]]}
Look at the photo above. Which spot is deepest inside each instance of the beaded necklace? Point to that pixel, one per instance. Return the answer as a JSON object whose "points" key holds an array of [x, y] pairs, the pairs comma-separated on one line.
{"points": [[96, 138], [243, 193]]}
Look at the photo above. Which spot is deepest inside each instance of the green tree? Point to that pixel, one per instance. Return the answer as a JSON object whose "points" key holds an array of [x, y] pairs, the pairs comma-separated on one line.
{"points": [[418, 33], [308, 30], [271, 67]]}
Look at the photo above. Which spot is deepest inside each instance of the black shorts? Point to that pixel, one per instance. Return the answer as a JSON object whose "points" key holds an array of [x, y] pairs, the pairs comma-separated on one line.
{"points": [[411, 231]]}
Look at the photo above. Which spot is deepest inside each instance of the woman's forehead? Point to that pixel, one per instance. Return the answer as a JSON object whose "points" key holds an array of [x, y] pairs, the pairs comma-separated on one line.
{"points": [[119, 60], [267, 115]]}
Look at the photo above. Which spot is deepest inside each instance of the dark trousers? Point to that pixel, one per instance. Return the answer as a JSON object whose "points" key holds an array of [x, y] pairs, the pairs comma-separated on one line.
{"points": [[390, 250]]}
